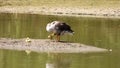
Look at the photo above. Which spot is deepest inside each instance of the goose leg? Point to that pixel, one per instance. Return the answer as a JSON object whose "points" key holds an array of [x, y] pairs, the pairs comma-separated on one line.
{"points": [[58, 38]]}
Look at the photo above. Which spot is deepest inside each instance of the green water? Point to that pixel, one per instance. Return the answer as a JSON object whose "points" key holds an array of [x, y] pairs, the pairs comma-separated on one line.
{"points": [[99, 32]]}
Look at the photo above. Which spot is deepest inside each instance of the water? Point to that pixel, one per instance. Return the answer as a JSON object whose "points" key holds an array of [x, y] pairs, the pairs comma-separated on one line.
{"points": [[99, 32]]}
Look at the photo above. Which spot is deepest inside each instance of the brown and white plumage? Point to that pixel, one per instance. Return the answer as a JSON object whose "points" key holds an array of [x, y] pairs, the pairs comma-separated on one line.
{"points": [[58, 28]]}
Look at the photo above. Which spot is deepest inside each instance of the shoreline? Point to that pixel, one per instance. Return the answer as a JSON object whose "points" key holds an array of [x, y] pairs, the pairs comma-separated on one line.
{"points": [[77, 12]]}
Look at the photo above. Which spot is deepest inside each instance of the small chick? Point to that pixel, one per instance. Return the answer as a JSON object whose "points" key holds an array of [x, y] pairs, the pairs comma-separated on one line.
{"points": [[110, 50], [28, 39]]}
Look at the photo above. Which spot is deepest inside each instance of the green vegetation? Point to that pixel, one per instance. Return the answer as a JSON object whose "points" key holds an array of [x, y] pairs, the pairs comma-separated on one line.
{"points": [[62, 3]]}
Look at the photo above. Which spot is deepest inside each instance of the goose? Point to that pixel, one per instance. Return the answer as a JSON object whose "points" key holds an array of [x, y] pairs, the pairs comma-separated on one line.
{"points": [[58, 28]]}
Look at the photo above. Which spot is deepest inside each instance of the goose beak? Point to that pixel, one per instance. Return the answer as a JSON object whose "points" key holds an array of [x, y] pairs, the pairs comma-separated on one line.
{"points": [[51, 36]]}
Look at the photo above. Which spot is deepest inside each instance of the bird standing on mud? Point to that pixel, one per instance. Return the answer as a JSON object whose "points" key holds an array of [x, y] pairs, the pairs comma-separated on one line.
{"points": [[58, 28]]}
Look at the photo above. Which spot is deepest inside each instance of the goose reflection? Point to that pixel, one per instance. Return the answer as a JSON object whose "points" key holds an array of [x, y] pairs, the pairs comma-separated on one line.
{"points": [[58, 61]]}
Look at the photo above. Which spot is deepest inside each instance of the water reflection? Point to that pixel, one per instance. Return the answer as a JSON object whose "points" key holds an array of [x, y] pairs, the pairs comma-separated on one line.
{"points": [[57, 61], [19, 59]]}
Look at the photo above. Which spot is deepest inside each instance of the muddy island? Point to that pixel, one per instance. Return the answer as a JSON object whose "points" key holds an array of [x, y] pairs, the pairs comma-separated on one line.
{"points": [[46, 45]]}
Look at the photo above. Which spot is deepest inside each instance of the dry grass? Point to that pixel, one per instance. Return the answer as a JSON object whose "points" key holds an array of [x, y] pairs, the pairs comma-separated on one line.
{"points": [[63, 3], [67, 7]]}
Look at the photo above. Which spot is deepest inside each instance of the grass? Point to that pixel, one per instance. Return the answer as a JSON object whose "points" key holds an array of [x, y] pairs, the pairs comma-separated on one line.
{"points": [[63, 3]]}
